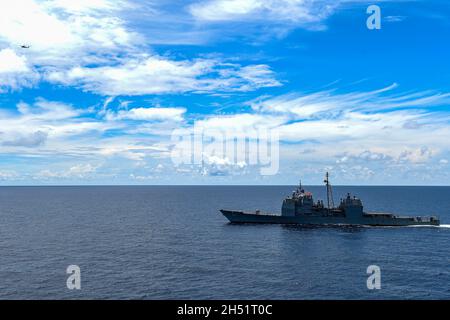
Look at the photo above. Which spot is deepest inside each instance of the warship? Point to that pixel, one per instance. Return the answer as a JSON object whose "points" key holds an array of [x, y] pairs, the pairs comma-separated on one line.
{"points": [[300, 208]]}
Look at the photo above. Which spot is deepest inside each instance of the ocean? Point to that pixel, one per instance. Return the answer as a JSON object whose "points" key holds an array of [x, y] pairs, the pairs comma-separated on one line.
{"points": [[171, 242]]}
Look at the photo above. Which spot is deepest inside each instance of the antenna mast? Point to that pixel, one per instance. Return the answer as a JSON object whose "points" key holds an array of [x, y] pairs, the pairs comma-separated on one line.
{"points": [[330, 201]]}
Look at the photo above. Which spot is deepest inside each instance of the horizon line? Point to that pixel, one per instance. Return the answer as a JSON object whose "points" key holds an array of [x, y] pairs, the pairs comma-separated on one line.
{"points": [[214, 185]]}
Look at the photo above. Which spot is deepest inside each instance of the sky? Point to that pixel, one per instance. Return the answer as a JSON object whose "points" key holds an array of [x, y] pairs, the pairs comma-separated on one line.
{"points": [[92, 91]]}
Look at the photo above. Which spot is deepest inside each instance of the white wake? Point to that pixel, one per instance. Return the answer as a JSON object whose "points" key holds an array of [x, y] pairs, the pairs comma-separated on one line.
{"points": [[447, 226]]}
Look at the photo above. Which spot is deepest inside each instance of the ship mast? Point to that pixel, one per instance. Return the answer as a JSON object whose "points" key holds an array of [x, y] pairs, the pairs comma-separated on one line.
{"points": [[330, 201]]}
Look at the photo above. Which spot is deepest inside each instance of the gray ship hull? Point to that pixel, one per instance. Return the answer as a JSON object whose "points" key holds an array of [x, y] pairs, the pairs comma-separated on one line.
{"points": [[365, 220]]}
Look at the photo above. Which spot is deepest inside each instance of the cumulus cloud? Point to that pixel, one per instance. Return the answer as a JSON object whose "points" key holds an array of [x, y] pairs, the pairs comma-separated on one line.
{"points": [[363, 157], [15, 71], [222, 166], [59, 32], [8, 175], [29, 140], [32, 126], [91, 45], [10, 62], [55, 129], [58, 35], [77, 171], [417, 155]]}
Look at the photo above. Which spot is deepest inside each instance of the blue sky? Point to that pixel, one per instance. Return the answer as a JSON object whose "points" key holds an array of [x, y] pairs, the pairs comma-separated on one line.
{"points": [[103, 85]]}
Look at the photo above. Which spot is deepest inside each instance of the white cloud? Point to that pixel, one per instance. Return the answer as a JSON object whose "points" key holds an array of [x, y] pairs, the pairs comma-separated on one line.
{"points": [[339, 126], [240, 123], [33, 139], [394, 18], [83, 6], [10, 62], [90, 44], [149, 114], [81, 171], [14, 71], [54, 129], [48, 110], [224, 10], [329, 104], [293, 11], [155, 75], [32, 126], [418, 155], [8, 175], [60, 34], [221, 166], [356, 134], [55, 28]]}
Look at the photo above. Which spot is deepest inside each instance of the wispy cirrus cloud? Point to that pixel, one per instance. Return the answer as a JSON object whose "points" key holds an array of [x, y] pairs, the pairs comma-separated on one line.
{"points": [[330, 103], [157, 75], [289, 11], [148, 114]]}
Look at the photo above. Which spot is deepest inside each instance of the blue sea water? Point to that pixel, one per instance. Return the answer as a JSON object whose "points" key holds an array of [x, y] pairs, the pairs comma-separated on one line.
{"points": [[167, 242]]}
